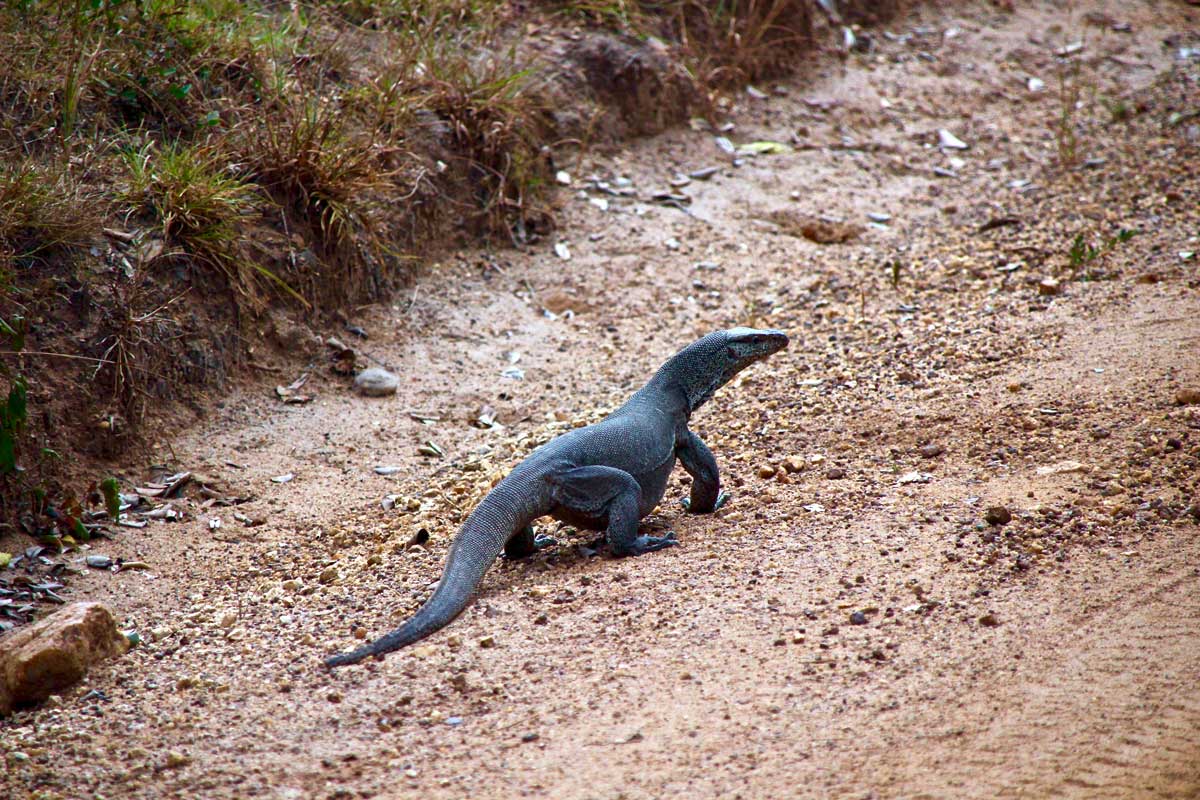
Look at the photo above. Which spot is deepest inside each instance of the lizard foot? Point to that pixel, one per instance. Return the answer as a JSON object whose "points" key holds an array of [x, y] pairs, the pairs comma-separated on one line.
{"points": [[722, 499], [525, 544], [648, 544]]}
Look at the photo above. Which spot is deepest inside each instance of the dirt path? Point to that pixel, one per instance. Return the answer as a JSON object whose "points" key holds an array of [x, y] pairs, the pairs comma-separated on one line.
{"points": [[1056, 655]]}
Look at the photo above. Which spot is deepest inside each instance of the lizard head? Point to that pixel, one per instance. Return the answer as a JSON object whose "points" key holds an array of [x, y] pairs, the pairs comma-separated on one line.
{"points": [[711, 362]]}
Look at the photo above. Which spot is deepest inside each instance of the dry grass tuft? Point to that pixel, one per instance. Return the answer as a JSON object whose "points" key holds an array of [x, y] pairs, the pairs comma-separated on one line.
{"points": [[42, 209], [494, 127], [327, 181], [199, 207]]}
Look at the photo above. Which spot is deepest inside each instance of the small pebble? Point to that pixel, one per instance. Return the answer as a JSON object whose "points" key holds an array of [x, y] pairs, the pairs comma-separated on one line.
{"points": [[949, 141], [487, 641], [989, 620], [1188, 397], [793, 464], [997, 515], [858, 618], [1049, 287]]}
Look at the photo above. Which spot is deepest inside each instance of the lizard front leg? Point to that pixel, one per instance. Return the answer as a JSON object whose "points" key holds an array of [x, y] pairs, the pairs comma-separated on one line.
{"points": [[699, 462]]}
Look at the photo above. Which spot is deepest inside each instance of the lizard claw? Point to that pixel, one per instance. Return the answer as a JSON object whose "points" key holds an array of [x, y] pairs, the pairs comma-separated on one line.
{"points": [[722, 499], [648, 544]]}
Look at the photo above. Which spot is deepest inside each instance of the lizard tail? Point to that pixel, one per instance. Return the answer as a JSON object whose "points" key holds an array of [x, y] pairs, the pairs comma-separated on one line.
{"points": [[477, 545]]}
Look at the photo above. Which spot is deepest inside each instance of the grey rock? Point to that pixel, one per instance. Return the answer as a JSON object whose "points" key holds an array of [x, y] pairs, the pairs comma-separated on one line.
{"points": [[376, 382]]}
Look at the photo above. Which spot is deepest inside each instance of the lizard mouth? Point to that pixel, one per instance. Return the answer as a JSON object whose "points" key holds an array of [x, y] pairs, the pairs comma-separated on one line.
{"points": [[747, 345]]}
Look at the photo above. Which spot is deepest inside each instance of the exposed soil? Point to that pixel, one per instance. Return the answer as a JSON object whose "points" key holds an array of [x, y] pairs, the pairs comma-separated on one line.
{"points": [[932, 375]]}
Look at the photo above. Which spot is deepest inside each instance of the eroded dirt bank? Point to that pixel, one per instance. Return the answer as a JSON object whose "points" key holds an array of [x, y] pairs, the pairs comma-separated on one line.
{"points": [[933, 374]]}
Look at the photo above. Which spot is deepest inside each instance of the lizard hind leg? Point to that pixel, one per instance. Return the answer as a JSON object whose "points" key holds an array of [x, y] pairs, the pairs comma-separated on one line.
{"points": [[613, 494], [523, 543]]}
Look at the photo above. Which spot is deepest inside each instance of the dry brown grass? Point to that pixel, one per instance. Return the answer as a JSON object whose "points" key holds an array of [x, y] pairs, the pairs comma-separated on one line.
{"points": [[734, 41], [43, 209]]}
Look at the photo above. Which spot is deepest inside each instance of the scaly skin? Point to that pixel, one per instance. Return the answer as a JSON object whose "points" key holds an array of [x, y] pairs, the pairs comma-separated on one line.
{"points": [[606, 476]]}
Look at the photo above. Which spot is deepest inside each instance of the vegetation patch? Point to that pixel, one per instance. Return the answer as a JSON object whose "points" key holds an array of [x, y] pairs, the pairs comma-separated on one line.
{"points": [[171, 169]]}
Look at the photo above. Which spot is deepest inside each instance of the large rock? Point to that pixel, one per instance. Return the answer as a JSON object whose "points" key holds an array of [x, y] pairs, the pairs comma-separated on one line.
{"points": [[53, 653], [376, 382]]}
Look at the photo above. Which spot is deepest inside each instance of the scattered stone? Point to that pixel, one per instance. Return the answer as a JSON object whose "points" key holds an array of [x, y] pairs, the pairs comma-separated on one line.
{"points": [[563, 177], [931, 450], [175, 760], [704, 173], [816, 229], [858, 618], [835, 474], [376, 382], [1035, 84], [562, 251], [98, 561], [1188, 397], [228, 619], [948, 140], [329, 575], [1049, 287], [878, 217], [989, 620], [49, 655], [793, 464], [487, 642], [766, 471], [529, 737], [997, 515], [914, 477]]}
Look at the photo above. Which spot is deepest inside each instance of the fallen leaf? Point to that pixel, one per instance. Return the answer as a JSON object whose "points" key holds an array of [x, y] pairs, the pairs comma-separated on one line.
{"points": [[1061, 468], [763, 148]]}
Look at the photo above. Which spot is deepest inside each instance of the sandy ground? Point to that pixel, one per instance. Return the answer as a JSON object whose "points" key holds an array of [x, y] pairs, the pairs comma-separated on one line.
{"points": [[1055, 656]]}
